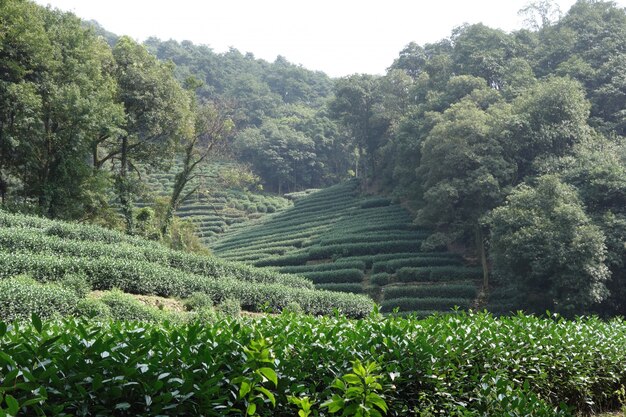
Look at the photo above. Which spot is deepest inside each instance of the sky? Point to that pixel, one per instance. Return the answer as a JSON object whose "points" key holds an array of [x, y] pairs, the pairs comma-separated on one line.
{"points": [[339, 37]]}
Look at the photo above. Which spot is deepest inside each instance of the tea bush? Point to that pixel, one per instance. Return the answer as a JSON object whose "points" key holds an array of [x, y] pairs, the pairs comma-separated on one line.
{"points": [[468, 290], [462, 365], [21, 296]]}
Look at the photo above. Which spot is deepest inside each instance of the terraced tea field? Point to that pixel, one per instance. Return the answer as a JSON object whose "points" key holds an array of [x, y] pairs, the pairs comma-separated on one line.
{"points": [[344, 241], [216, 206]]}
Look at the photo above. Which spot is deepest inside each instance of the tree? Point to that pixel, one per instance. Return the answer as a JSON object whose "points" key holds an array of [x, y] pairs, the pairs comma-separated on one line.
{"points": [[544, 244], [61, 94], [465, 173], [156, 114], [547, 121], [358, 105], [212, 126]]}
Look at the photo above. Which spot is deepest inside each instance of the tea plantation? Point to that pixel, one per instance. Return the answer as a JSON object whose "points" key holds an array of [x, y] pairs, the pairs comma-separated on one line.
{"points": [[461, 365], [215, 207], [60, 255], [347, 242]]}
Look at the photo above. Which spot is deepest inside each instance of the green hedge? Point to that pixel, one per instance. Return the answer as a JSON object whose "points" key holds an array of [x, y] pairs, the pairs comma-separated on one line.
{"points": [[457, 365], [335, 276], [395, 264], [300, 269], [468, 290], [375, 202], [342, 287], [380, 279], [145, 278], [429, 303], [438, 273], [33, 241], [20, 297], [348, 249]]}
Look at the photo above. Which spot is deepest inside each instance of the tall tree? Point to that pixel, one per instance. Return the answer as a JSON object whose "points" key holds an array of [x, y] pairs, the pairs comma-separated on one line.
{"points": [[545, 246], [157, 114], [212, 126]]}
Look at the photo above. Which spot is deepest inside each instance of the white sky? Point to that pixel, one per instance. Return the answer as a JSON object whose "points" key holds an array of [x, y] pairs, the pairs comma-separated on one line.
{"points": [[339, 37]]}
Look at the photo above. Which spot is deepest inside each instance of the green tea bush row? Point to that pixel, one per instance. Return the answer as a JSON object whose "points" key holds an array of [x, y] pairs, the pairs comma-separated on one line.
{"points": [[426, 303], [395, 264], [375, 202], [335, 276], [380, 279], [438, 273], [371, 259], [322, 267], [373, 238], [286, 260], [468, 290], [321, 252], [20, 297], [29, 240], [342, 287], [145, 278], [461, 365]]}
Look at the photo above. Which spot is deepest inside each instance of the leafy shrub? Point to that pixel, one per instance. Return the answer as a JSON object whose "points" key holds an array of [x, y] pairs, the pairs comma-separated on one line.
{"points": [[375, 202], [336, 276], [92, 308], [20, 297], [301, 269], [467, 365], [426, 303], [293, 308], [395, 264], [438, 273], [230, 306], [125, 307], [341, 287], [443, 290], [77, 283], [198, 301], [380, 279]]}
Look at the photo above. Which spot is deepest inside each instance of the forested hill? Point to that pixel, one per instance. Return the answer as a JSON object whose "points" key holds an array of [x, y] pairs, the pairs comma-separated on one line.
{"points": [[507, 147]]}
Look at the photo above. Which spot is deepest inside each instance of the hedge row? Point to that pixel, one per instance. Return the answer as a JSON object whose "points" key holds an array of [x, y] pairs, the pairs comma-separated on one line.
{"points": [[460, 365], [19, 240], [322, 267], [286, 260], [336, 276], [321, 252], [145, 278], [375, 202], [438, 273], [395, 264], [419, 304], [341, 287], [371, 259], [468, 291]]}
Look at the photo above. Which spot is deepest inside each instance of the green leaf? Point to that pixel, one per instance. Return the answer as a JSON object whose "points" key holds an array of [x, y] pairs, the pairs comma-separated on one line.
{"points": [[270, 375], [377, 401], [122, 406], [244, 389], [37, 323], [3, 329], [13, 406], [268, 394], [352, 379], [251, 409]]}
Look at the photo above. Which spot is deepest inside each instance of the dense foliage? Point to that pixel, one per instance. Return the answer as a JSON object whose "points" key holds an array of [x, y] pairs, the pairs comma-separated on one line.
{"points": [[456, 365], [50, 251]]}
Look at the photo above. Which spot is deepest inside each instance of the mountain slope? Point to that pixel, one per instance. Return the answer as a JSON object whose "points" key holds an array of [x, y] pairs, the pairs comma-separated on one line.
{"points": [[344, 241]]}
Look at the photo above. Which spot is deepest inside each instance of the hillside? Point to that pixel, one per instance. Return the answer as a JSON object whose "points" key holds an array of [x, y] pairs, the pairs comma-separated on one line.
{"points": [[345, 241], [53, 251], [215, 204]]}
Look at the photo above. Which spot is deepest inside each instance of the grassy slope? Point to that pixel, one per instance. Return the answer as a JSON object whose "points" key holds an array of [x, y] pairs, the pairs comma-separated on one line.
{"points": [[215, 208], [347, 242], [49, 250]]}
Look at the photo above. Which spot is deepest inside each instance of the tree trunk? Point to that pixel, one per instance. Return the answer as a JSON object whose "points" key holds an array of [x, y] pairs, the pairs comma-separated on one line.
{"points": [[124, 188], [482, 253]]}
